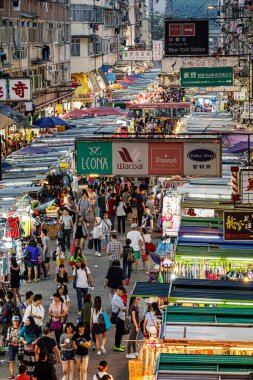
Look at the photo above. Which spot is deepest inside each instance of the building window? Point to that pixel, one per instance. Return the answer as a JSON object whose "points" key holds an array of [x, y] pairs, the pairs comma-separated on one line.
{"points": [[1, 4], [86, 13], [75, 47]]}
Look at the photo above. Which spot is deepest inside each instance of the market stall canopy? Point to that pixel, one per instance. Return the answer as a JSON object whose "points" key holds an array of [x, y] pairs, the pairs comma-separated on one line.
{"points": [[5, 165], [199, 367], [31, 150], [148, 289], [240, 147], [76, 113], [45, 205], [104, 111], [49, 122], [9, 115]]}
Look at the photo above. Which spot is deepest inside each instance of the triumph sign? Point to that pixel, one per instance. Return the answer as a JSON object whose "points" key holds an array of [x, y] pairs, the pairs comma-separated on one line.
{"points": [[191, 157]]}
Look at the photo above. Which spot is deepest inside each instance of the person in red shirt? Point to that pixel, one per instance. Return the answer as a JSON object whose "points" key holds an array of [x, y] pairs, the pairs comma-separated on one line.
{"points": [[112, 209], [22, 370]]}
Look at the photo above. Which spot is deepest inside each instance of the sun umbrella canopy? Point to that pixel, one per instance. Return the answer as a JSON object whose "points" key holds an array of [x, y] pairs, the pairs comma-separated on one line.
{"points": [[31, 150], [49, 122], [76, 113], [5, 165]]}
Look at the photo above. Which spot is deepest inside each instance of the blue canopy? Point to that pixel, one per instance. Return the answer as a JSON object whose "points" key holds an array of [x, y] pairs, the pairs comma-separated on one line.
{"points": [[32, 150], [5, 165], [50, 122], [240, 147]]}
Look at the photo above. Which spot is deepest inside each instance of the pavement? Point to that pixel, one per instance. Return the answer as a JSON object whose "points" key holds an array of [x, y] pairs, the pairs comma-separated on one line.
{"points": [[118, 364]]}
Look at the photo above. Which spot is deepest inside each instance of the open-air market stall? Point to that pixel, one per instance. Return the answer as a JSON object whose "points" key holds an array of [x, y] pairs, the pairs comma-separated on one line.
{"points": [[199, 367]]}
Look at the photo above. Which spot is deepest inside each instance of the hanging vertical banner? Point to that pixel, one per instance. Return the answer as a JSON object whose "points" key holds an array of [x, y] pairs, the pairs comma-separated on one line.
{"points": [[20, 89], [157, 50], [3, 89]]}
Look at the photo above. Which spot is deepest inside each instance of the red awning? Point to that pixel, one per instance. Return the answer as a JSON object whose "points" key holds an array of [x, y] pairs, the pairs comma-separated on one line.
{"points": [[76, 113], [104, 111]]}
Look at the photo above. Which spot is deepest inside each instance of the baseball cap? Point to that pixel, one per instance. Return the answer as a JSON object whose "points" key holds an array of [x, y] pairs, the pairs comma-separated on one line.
{"points": [[134, 225], [15, 318]]}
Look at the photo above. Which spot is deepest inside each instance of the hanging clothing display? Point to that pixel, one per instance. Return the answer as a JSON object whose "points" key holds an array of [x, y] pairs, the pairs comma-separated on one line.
{"points": [[12, 227]]}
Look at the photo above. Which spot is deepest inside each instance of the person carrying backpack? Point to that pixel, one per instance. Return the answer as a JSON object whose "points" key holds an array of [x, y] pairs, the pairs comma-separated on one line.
{"points": [[9, 310], [128, 260], [102, 371]]}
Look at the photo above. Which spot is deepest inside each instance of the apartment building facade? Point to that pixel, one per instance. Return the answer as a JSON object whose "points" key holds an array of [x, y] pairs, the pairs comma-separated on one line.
{"points": [[35, 43]]}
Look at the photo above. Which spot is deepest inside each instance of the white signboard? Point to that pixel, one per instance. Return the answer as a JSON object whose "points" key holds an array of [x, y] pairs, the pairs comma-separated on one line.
{"points": [[20, 89], [3, 89], [137, 55], [130, 158], [202, 160], [157, 50], [246, 186], [172, 65]]}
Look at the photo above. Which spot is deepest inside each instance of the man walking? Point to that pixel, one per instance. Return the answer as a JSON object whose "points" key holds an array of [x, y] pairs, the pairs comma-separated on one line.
{"points": [[102, 203], [114, 249], [119, 308]]}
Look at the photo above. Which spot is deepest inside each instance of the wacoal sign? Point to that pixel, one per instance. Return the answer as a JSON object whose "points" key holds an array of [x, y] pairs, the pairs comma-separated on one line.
{"points": [[130, 158]]}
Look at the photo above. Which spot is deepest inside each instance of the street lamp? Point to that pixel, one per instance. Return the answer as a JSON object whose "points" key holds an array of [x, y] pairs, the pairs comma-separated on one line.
{"points": [[212, 7]]}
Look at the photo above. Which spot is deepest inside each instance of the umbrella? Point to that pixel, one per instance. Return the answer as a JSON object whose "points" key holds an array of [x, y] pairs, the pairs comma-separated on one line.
{"points": [[76, 113], [31, 150], [49, 122]]}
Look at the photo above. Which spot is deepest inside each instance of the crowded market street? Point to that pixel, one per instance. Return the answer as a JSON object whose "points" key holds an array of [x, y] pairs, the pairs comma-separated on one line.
{"points": [[126, 190]]}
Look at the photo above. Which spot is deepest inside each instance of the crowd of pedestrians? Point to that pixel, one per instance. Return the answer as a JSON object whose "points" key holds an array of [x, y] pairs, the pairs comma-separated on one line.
{"points": [[95, 218]]}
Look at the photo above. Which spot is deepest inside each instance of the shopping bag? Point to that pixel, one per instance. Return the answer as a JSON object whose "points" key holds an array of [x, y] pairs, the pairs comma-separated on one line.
{"points": [[160, 278], [90, 243], [73, 246], [107, 320], [144, 256]]}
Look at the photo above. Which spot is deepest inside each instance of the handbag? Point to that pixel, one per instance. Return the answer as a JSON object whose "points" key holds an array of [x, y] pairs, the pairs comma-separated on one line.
{"points": [[127, 327], [107, 320], [90, 286], [114, 318], [144, 256], [102, 237], [56, 325]]}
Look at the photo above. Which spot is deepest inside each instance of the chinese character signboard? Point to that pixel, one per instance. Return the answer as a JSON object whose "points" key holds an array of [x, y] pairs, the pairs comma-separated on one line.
{"points": [[157, 50], [137, 55], [238, 225], [191, 158], [20, 89], [3, 89], [246, 186], [203, 77], [16, 89], [186, 37], [94, 157]]}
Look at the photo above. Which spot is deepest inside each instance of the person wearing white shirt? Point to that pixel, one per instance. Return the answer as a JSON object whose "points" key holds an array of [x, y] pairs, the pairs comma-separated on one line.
{"points": [[35, 310], [82, 276], [136, 243], [102, 370]]}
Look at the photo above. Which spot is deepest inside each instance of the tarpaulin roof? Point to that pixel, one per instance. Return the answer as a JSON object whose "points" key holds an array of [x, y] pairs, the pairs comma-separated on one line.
{"points": [[240, 147], [104, 111], [148, 289], [32, 150], [76, 113]]}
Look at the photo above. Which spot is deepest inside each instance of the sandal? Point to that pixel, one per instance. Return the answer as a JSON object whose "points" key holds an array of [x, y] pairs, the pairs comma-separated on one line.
{"points": [[11, 377]]}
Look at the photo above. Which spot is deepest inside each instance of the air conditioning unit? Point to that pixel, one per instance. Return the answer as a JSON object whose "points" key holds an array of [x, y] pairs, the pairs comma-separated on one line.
{"points": [[46, 83]]}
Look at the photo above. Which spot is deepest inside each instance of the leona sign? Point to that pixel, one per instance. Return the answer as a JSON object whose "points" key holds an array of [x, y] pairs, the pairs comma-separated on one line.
{"points": [[138, 158]]}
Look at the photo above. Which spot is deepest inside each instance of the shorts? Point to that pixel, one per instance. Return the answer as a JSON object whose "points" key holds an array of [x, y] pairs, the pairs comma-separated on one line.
{"points": [[67, 355], [47, 259], [97, 329], [134, 213], [13, 351], [81, 357], [137, 255], [31, 264]]}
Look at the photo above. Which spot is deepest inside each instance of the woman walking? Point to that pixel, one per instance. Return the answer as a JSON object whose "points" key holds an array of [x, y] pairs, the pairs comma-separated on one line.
{"points": [[97, 234], [121, 214], [58, 312], [82, 276], [82, 343], [80, 232], [67, 352], [15, 279], [97, 325], [135, 327]]}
